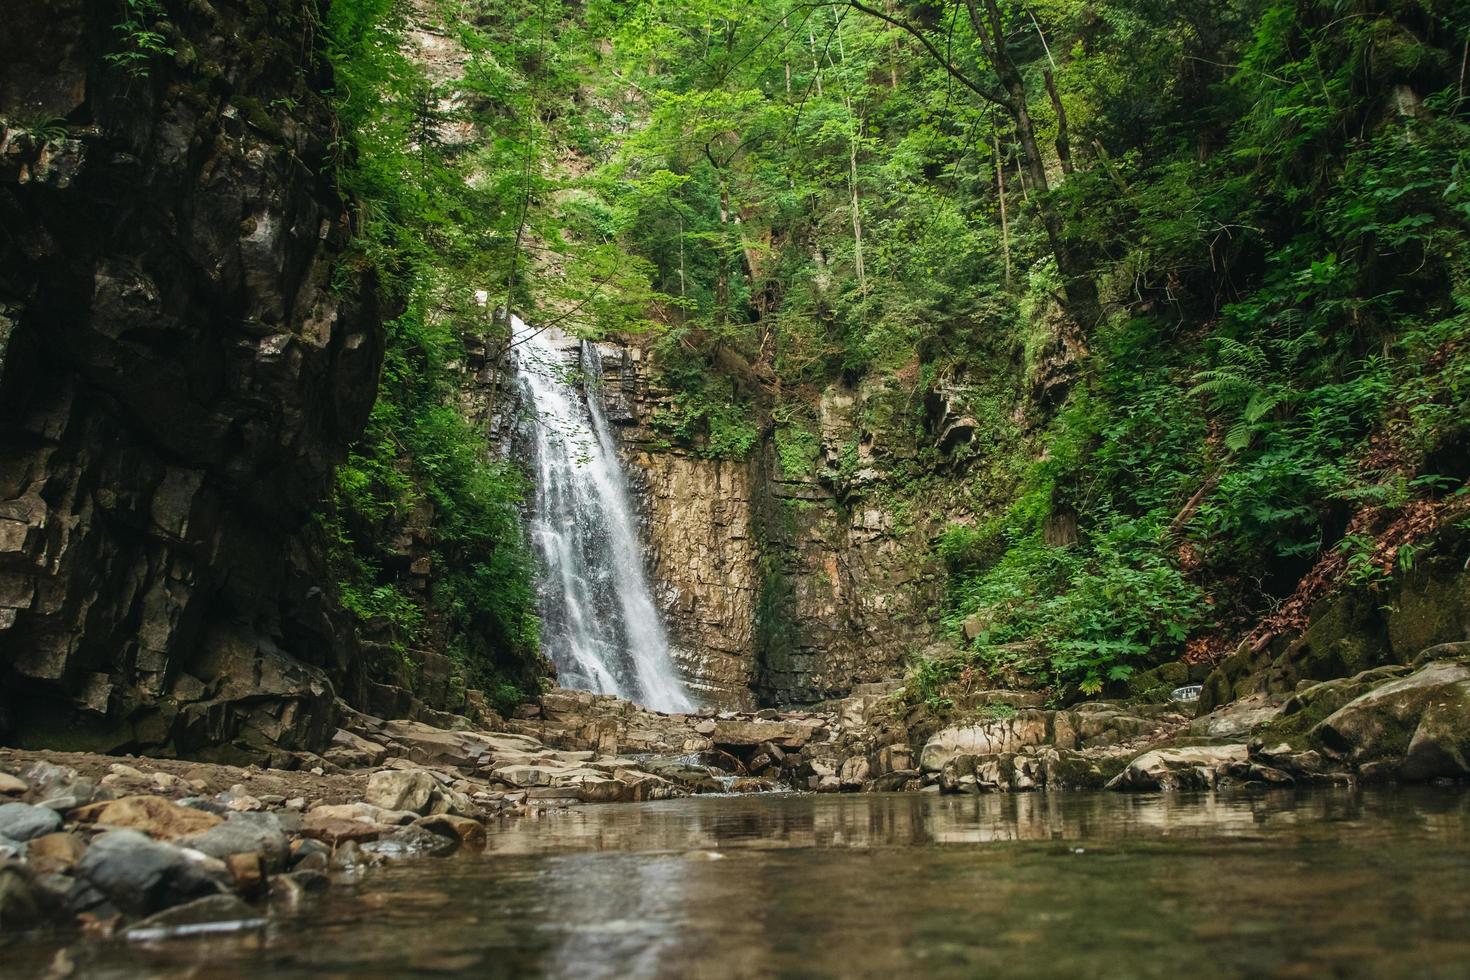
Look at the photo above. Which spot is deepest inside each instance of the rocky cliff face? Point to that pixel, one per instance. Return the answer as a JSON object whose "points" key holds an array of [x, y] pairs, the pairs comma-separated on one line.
{"points": [[780, 590], [184, 355]]}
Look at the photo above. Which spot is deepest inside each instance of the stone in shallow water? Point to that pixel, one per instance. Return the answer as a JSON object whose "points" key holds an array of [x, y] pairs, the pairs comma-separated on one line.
{"points": [[410, 841], [1412, 727], [24, 901], [12, 785], [139, 875], [461, 829], [22, 821], [213, 914]]}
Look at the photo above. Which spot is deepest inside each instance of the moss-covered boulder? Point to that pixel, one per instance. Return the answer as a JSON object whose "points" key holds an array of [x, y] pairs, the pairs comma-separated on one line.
{"points": [[1414, 727]]}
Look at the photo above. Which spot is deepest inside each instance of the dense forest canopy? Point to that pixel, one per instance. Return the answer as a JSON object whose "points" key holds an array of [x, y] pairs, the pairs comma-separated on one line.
{"points": [[1199, 271]]}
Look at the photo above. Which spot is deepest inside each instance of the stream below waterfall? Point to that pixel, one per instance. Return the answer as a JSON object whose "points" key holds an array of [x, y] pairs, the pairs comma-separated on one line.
{"points": [[1277, 883]]}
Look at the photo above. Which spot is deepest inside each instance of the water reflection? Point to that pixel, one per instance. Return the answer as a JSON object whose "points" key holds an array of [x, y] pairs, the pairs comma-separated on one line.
{"points": [[1251, 884]]}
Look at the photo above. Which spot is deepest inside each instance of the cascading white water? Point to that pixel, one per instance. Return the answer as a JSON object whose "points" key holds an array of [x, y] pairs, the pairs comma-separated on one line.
{"points": [[599, 624]]}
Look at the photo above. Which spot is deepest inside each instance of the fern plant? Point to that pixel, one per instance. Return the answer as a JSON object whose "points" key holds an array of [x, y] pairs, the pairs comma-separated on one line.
{"points": [[141, 39]]}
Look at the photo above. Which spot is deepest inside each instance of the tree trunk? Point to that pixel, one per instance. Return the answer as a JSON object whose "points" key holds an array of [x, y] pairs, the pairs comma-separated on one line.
{"points": [[1064, 144], [1077, 284]]}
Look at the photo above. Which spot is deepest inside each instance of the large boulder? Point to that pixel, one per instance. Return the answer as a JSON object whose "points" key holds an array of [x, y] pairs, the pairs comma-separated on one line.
{"points": [[1415, 727], [1027, 728]]}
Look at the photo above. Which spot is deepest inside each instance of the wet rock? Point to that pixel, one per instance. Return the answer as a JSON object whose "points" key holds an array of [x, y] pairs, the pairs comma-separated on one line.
{"points": [[56, 852], [749, 784], [247, 871], [139, 875], [401, 790], [335, 830], [22, 821], [212, 914], [289, 892], [244, 833], [12, 785], [24, 900], [896, 781], [347, 856], [307, 853], [646, 786], [410, 841], [12, 849], [1198, 767], [156, 816], [462, 829]]}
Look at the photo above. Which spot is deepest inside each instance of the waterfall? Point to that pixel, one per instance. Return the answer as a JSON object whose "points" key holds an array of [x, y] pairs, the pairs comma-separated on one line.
{"points": [[599, 624]]}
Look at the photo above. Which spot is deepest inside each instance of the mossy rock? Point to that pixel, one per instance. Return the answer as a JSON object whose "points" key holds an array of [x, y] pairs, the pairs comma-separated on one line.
{"points": [[1374, 731], [1316, 702]]}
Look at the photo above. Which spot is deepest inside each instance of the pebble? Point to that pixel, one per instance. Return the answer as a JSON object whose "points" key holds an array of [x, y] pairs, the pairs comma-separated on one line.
{"points": [[12, 785]]}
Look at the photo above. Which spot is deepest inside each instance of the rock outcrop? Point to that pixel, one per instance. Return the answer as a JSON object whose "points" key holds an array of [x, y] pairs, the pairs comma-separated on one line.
{"points": [[184, 354], [779, 588]]}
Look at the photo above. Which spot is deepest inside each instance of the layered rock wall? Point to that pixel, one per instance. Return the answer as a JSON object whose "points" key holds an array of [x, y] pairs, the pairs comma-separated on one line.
{"points": [[777, 590], [184, 355]]}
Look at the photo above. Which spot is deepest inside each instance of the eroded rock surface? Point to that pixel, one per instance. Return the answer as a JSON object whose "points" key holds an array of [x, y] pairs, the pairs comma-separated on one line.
{"points": [[183, 357]]}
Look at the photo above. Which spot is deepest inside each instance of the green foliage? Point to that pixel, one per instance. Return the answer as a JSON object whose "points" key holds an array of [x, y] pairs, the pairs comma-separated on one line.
{"points": [[797, 448], [422, 469], [1271, 195], [140, 38]]}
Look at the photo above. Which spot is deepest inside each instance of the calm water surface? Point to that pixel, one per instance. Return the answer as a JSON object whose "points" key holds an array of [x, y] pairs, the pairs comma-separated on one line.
{"points": [[1280, 883]]}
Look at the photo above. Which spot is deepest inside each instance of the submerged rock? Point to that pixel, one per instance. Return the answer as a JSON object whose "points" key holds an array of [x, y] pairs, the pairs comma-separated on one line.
{"points": [[410, 841], [211, 915], [24, 900]]}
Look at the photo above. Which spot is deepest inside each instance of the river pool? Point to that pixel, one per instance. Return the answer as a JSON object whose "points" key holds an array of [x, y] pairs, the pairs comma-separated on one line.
{"points": [[1275, 883]]}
